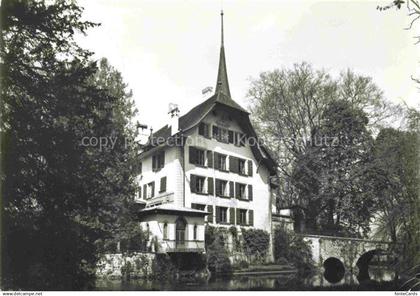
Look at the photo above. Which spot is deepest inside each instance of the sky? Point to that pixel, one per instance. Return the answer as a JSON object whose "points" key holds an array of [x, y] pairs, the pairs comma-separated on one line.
{"points": [[167, 51]]}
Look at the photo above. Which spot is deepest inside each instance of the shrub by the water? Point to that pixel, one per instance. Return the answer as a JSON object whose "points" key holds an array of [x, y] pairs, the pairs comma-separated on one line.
{"points": [[217, 257], [291, 248]]}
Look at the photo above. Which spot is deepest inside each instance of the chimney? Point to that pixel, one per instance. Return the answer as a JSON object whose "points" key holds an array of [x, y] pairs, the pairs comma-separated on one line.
{"points": [[173, 118]]}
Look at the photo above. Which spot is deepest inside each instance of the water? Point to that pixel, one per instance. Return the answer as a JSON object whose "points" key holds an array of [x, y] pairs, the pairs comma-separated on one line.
{"points": [[381, 279]]}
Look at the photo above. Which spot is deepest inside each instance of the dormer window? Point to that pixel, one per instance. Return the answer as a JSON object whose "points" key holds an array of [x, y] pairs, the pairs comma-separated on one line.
{"points": [[158, 161]]}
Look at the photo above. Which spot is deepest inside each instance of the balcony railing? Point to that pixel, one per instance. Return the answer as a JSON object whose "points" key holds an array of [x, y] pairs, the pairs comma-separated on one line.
{"points": [[173, 246], [161, 199]]}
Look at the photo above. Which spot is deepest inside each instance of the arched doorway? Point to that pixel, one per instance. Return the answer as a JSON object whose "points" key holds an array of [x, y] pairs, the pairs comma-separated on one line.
{"points": [[334, 270], [181, 226]]}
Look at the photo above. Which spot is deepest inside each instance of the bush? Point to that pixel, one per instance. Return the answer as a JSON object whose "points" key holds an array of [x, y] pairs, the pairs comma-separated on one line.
{"points": [[291, 247], [217, 257], [256, 243]]}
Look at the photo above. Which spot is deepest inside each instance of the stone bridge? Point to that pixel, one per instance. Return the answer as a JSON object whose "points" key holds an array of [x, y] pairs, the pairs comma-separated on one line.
{"points": [[341, 255]]}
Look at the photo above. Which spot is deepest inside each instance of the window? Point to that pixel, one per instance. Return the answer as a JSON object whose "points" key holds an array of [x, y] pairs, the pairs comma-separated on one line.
{"points": [[242, 217], [224, 135], [140, 168], [203, 129], [197, 184], [241, 166], [221, 188], [221, 215], [240, 191], [198, 207], [165, 230], [220, 134], [162, 184], [231, 135], [220, 161], [197, 156], [158, 161], [151, 190], [195, 232]]}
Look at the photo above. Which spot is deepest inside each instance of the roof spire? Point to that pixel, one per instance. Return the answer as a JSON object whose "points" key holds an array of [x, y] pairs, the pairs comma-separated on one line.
{"points": [[222, 85]]}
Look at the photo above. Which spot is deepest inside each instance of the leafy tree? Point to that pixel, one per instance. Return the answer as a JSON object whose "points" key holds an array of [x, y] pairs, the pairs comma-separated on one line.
{"points": [[397, 182], [60, 197], [288, 105], [332, 175]]}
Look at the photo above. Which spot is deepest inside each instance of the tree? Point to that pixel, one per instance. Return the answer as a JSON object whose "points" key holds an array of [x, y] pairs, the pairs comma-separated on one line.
{"points": [[60, 196], [287, 108], [333, 174], [397, 180]]}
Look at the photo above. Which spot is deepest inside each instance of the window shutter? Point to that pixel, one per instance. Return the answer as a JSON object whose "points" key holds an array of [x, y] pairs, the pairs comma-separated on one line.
{"points": [[210, 159], [251, 217], [201, 128], [206, 131], [153, 189], [210, 186], [232, 215], [145, 191], [162, 184], [249, 167], [231, 163], [238, 217], [215, 132], [250, 197], [139, 194], [236, 165], [140, 168], [217, 187], [193, 155], [154, 163], [230, 136], [231, 190], [192, 183], [210, 215], [217, 214], [216, 160], [162, 164], [237, 191]]}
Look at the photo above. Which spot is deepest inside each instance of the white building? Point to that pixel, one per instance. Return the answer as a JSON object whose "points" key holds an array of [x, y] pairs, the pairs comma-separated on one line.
{"points": [[205, 167]]}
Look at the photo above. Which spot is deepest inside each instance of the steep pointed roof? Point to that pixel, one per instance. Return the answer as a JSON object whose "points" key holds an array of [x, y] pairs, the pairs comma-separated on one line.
{"points": [[221, 98], [222, 93], [222, 83]]}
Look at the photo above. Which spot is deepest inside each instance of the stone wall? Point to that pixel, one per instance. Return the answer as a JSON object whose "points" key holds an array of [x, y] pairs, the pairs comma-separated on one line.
{"points": [[133, 265]]}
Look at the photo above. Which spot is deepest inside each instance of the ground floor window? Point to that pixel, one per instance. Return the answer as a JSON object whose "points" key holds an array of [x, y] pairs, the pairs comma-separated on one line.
{"points": [[165, 231], [181, 225], [195, 232], [221, 214], [242, 217]]}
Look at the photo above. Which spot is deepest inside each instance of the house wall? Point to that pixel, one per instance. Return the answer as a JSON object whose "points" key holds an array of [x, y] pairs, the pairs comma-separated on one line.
{"points": [[261, 203], [172, 170]]}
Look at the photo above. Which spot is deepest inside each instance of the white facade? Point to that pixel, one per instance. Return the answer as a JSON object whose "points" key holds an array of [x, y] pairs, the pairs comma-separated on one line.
{"points": [[213, 176]]}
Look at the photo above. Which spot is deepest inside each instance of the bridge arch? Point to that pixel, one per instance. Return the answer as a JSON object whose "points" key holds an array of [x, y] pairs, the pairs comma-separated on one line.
{"points": [[334, 270], [363, 263]]}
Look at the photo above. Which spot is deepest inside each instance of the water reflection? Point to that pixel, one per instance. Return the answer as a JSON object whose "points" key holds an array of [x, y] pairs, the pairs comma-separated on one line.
{"points": [[265, 282]]}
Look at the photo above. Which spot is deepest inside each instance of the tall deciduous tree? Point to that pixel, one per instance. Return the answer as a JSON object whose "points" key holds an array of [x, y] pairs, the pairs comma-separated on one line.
{"points": [[288, 105], [332, 176], [60, 194]]}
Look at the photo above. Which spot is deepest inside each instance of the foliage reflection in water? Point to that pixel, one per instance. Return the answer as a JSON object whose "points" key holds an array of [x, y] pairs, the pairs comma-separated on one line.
{"points": [[381, 280]]}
